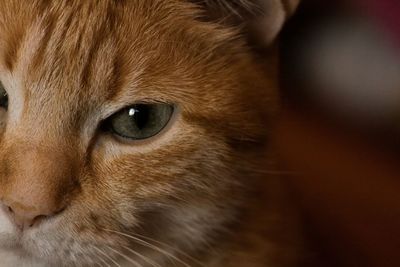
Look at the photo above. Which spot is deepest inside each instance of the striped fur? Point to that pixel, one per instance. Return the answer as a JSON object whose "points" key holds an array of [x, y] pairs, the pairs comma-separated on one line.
{"points": [[200, 186]]}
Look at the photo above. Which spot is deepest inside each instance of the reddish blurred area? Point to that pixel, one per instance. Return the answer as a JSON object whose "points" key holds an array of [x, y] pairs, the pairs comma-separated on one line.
{"points": [[339, 130], [385, 12]]}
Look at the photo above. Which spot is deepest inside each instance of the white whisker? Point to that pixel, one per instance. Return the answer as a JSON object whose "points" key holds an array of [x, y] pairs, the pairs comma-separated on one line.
{"points": [[106, 264], [125, 257], [149, 245], [102, 262], [168, 246], [107, 256], [86, 258], [146, 259]]}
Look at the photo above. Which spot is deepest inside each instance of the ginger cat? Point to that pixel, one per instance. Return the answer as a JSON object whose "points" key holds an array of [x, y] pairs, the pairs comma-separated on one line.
{"points": [[134, 133]]}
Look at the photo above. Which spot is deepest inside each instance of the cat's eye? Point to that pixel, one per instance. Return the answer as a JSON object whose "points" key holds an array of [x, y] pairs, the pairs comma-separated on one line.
{"points": [[140, 121], [3, 97]]}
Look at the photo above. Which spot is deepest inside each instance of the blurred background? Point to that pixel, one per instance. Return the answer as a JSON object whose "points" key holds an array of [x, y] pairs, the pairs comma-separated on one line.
{"points": [[339, 131]]}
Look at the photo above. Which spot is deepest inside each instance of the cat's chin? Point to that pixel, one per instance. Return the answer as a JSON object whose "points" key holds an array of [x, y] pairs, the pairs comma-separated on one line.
{"points": [[13, 252], [18, 257]]}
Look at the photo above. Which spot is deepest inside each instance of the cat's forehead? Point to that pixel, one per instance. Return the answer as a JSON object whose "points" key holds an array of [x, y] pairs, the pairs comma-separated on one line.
{"points": [[101, 56], [95, 47]]}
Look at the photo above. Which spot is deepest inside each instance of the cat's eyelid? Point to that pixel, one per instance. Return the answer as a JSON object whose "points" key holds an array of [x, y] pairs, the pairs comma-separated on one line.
{"points": [[111, 109]]}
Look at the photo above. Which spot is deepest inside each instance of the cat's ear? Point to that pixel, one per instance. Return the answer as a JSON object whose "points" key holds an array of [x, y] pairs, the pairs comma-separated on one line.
{"points": [[261, 19]]}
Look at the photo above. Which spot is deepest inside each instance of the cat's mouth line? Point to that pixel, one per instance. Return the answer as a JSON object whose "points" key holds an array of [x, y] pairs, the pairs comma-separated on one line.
{"points": [[18, 248], [21, 243]]}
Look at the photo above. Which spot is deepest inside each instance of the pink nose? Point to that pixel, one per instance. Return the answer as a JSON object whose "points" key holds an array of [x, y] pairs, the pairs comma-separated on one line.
{"points": [[36, 183], [24, 218]]}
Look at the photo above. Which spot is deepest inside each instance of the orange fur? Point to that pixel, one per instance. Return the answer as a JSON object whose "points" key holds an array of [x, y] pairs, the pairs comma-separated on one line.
{"points": [[68, 65]]}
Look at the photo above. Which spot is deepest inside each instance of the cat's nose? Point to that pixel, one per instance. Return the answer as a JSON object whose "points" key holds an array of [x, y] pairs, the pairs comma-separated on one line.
{"points": [[25, 216], [38, 185]]}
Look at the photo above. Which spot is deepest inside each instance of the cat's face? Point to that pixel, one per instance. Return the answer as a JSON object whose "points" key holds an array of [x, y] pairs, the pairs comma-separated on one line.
{"points": [[120, 119]]}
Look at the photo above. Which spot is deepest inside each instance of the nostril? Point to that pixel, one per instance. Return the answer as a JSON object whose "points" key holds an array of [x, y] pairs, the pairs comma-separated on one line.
{"points": [[25, 218], [61, 210], [10, 210], [38, 220]]}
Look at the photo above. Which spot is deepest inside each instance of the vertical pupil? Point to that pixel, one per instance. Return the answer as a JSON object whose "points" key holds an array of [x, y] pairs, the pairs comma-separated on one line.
{"points": [[140, 115], [4, 99]]}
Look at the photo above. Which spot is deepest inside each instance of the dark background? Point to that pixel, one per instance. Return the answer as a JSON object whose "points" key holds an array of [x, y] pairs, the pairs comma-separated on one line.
{"points": [[343, 159]]}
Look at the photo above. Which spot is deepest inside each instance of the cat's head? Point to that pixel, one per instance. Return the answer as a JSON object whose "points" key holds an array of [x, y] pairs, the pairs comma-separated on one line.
{"points": [[127, 118]]}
